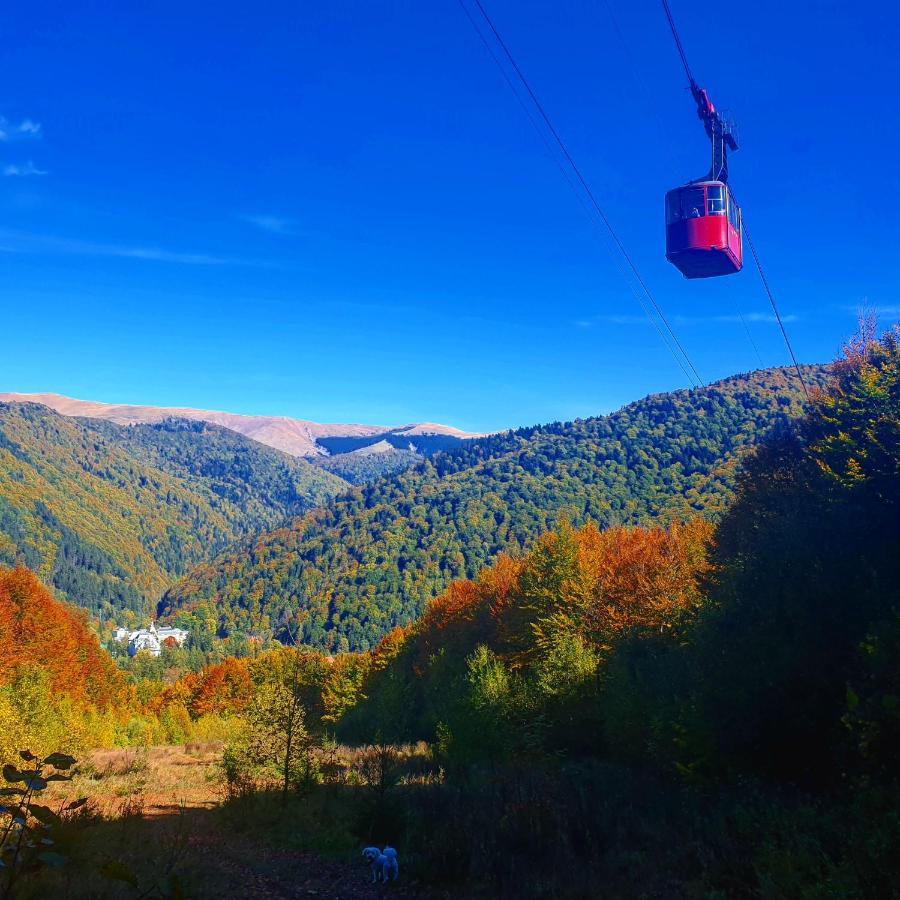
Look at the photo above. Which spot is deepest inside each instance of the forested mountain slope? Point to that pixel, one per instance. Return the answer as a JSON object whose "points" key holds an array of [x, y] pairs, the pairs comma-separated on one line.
{"points": [[344, 575], [360, 466], [39, 632], [109, 515]]}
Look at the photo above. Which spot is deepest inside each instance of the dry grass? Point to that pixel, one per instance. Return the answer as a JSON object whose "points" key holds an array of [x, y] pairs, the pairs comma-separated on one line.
{"points": [[148, 781], [153, 781], [157, 825]]}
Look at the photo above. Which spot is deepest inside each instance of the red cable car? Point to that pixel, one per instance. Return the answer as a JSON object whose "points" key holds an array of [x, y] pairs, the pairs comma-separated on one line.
{"points": [[703, 221], [703, 230]]}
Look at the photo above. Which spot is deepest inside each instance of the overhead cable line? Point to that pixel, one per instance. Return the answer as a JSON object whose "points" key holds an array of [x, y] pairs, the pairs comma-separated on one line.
{"points": [[756, 259], [653, 110], [678, 43], [635, 73], [586, 187], [574, 187], [694, 374], [771, 297], [750, 336]]}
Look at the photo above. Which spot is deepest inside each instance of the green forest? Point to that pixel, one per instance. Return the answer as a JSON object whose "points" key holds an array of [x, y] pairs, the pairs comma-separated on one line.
{"points": [[358, 468], [344, 575], [110, 515]]}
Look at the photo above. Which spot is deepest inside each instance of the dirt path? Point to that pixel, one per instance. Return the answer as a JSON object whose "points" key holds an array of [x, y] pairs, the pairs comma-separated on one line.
{"points": [[257, 870]]}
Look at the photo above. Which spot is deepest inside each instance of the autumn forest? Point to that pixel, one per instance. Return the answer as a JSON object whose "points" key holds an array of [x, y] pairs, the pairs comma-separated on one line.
{"points": [[657, 651]]}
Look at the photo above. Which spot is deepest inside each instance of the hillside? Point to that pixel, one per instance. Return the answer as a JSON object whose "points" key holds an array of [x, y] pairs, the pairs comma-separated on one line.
{"points": [[36, 630], [110, 515], [369, 463], [343, 576], [296, 437]]}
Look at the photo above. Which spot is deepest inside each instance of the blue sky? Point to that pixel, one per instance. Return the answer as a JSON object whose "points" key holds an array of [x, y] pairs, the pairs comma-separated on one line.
{"points": [[339, 211]]}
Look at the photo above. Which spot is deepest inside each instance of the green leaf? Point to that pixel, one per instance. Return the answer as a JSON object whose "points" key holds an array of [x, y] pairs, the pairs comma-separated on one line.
{"points": [[36, 783], [27, 755], [43, 814], [118, 871], [60, 760], [50, 858], [76, 803], [11, 773], [10, 792], [56, 776]]}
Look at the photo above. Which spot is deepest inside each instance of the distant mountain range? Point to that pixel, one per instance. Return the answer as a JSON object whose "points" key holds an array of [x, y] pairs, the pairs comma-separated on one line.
{"points": [[296, 437]]}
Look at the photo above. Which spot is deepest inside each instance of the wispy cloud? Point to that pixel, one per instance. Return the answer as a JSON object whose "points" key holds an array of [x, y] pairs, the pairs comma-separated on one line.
{"points": [[272, 224], [27, 128], [748, 317], [611, 320], [683, 320], [18, 242], [889, 311], [22, 170]]}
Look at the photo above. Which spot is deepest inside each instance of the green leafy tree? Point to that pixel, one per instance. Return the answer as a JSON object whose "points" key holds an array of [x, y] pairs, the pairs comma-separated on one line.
{"points": [[274, 746]]}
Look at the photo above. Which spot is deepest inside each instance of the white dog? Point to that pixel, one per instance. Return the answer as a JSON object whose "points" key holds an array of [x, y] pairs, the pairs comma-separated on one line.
{"points": [[383, 864], [377, 860]]}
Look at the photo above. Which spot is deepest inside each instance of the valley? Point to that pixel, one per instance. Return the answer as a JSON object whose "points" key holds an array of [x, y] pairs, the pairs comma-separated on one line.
{"points": [[109, 515], [133, 513], [605, 620]]}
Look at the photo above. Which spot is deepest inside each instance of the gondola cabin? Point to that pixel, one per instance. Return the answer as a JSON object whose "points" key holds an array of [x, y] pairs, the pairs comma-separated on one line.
{"points": [[703, 230]]}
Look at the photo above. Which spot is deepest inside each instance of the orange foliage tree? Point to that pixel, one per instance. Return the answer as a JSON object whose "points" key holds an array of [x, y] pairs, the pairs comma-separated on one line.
{"points": [[596, 584], [550, 618], [221, 688], [38, 630]]}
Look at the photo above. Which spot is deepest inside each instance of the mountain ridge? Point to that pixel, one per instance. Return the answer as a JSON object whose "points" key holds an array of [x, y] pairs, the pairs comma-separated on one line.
{"points": [[297, 437]]}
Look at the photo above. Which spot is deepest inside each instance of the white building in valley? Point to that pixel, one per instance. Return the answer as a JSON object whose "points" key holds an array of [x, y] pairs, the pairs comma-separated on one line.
{"points": [[151, 639]]}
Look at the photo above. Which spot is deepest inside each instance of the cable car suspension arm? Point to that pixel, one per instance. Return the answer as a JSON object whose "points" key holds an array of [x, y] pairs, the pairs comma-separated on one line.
{"points": [[719, 130]]}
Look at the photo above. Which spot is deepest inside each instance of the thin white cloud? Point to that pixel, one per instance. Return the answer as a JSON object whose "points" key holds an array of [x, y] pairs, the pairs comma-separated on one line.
{"points": [[748, 317], [888, 311], [27, 128], [22, 170], [626, 319], [18, 242], [272, 224]]}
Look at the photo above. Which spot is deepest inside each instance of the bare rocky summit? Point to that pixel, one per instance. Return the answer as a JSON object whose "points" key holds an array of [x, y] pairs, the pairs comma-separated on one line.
{"points": [[297, 437]]}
